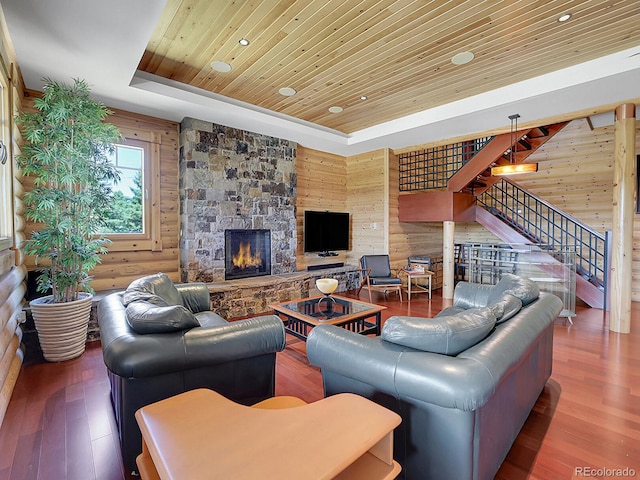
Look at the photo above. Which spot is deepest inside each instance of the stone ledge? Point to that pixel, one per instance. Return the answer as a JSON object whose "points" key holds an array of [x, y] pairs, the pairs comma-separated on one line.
{"points": [[252, 296]]}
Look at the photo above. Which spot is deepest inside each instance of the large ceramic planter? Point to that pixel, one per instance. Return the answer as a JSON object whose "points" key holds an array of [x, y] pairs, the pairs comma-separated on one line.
{"points": [[62, 327]]}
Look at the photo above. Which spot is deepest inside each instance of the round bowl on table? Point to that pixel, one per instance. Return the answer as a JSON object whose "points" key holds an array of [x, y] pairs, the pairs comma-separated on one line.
{"points": [[327, 285]]}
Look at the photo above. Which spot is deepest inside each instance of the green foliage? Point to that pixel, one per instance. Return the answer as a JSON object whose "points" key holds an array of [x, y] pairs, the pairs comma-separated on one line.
{"points": [[125, 215], [65, 151]]}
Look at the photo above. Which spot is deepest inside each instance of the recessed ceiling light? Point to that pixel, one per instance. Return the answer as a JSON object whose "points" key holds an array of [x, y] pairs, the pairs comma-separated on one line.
{"points": [[244, 42], [363, 97], [335, 109], [462, 58], [287, 91], [564, 18], [219, 66]]}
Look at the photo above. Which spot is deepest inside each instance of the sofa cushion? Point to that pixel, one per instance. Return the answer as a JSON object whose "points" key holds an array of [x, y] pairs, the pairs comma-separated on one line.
{"points": [[449, 334], [145, 317], [523, 288], [505, 308], [210, 319], [152, 288]]}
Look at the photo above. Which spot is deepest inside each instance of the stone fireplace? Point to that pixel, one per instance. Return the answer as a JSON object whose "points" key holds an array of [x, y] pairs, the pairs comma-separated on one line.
{"points": [[247, 253], [234, 180]]}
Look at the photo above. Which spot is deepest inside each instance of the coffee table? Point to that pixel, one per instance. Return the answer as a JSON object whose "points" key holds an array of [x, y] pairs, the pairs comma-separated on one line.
{"points": [[301, 315]]}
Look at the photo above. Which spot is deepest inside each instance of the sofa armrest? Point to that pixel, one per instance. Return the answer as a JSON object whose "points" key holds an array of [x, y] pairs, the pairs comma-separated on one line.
{"points": [[195, 296], [450, 382], [240, 339], [471, 295]]}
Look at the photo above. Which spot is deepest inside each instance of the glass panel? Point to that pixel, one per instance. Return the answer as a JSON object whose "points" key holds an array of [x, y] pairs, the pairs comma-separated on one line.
{"points": [[129, 157], [127, 213]]}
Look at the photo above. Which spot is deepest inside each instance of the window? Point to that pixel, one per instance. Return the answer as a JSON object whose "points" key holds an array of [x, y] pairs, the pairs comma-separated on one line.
{"points": [[6, 173], [129, 214]]}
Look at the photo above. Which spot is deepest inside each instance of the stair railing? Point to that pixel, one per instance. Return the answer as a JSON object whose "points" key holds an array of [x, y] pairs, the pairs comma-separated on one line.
{"points": [[431, 168], [544, 224]]}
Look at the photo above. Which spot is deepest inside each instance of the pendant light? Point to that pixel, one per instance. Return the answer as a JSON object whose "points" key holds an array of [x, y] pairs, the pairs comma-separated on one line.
{"points": [[512, 167]]}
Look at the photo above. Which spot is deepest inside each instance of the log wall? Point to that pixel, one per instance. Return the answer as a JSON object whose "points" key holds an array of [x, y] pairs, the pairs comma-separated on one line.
{"points": [[12, 270], [134, 256]]}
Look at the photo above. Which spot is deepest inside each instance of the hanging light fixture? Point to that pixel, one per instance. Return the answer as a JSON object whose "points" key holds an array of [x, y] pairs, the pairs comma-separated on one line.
{"points": [[512, 167]]}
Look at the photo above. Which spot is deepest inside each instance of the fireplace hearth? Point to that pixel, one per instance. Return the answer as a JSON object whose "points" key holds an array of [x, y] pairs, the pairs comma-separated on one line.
{"points": [[247, 253]]}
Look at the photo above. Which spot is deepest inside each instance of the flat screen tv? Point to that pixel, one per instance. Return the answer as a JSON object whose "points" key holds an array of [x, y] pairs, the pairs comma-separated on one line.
{"points": [[325, 232]]}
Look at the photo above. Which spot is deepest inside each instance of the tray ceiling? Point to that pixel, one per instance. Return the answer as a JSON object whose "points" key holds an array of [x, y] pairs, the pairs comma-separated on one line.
{"points": [[397, 53]]}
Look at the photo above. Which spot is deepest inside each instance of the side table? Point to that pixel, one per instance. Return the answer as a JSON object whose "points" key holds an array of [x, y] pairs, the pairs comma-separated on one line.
{"points": [[412, 280]]}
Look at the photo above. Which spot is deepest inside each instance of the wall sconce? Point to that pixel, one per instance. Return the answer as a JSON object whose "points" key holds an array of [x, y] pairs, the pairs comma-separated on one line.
{"points": [[512, 167]]}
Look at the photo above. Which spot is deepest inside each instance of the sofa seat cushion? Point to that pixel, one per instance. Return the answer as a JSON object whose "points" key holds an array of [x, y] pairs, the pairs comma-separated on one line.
{"points": [[210, 319], [152, 288], [145, 317], [448, 334], [523, 288]]}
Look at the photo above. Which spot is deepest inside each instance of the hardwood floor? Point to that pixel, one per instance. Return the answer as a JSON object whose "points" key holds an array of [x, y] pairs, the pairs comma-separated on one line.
{"points": [[60, 425]]}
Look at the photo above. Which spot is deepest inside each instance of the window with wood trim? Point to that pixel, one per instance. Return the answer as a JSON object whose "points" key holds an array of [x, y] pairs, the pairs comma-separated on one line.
{"points": [[6, 165], [128, 209], [131, 223]]}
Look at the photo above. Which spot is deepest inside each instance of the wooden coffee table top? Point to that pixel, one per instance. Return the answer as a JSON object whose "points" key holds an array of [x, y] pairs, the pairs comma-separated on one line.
{"points": [[343, 310]]}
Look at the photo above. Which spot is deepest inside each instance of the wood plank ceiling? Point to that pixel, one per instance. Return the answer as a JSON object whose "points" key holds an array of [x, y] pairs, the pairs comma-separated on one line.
{"points": [[397, 53]]}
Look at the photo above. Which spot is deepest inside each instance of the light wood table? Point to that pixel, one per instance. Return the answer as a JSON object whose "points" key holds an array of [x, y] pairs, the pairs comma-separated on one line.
{"points": [[412, 279], [202, 435]]}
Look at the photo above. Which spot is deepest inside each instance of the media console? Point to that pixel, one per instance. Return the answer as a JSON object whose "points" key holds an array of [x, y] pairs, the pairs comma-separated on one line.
{"points": [[324, 266]]}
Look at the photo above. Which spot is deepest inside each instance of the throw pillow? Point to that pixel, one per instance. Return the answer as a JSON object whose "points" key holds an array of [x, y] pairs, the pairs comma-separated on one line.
{"points": [[150, 288], [449, 334], [523, 288], [505, 308], [145, 317]]}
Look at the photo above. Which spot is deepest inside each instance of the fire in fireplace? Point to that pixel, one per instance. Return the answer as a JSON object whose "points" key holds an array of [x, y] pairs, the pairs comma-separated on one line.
{"points": [[247, 253]]}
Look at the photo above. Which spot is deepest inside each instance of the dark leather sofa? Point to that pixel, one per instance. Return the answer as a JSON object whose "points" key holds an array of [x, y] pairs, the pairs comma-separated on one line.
{"points": [[463, 382], [160, 339]]}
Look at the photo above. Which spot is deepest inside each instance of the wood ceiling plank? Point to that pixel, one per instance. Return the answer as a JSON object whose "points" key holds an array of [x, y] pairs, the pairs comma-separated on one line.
{"points": [[395, 51]]}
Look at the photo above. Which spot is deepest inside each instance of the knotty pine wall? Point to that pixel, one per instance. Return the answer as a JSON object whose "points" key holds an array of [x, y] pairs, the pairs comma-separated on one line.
{"points": [[367, 187], [156, 251], [12, 269], [322, 185]]}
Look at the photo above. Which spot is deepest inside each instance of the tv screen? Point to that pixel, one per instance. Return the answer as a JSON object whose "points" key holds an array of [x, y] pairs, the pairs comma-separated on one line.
{"points": [[325, 231]]}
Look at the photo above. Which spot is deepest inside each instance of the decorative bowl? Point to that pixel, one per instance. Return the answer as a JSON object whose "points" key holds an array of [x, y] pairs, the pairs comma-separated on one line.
{"points": [[327, 285]]}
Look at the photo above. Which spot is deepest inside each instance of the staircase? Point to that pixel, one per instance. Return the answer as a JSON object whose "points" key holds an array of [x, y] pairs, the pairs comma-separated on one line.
{"points": [[516, 216], [453, 197], [464, 190]]}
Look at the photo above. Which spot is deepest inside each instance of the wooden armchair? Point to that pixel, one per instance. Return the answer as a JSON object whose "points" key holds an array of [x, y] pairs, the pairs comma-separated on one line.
{"points": [[375, 274]]}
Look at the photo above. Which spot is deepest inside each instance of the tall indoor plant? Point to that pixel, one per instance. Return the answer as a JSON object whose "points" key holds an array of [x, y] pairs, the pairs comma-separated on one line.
{"points": [[65, 151]]}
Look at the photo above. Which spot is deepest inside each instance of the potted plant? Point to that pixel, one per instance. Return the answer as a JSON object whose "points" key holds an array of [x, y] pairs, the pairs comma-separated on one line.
{"points": [[65, 151]]}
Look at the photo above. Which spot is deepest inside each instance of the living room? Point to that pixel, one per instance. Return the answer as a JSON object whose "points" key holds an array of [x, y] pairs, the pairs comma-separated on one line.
{"points": [[575, 173]]}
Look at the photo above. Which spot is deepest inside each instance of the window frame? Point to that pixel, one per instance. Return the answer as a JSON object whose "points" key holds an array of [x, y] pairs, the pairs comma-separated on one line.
{"points": [[7, 211], [149, 239], [146, 210]]}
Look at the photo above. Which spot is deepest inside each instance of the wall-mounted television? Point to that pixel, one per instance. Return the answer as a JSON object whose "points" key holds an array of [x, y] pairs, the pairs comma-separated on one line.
{"points": [[325, 232]]}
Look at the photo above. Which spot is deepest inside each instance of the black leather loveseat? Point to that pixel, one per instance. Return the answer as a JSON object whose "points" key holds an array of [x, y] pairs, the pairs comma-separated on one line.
{"points": [[160, 339]]}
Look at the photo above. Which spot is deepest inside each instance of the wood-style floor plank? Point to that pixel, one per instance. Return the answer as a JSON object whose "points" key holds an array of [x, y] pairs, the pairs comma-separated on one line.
{"points": [[60, 424]]}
